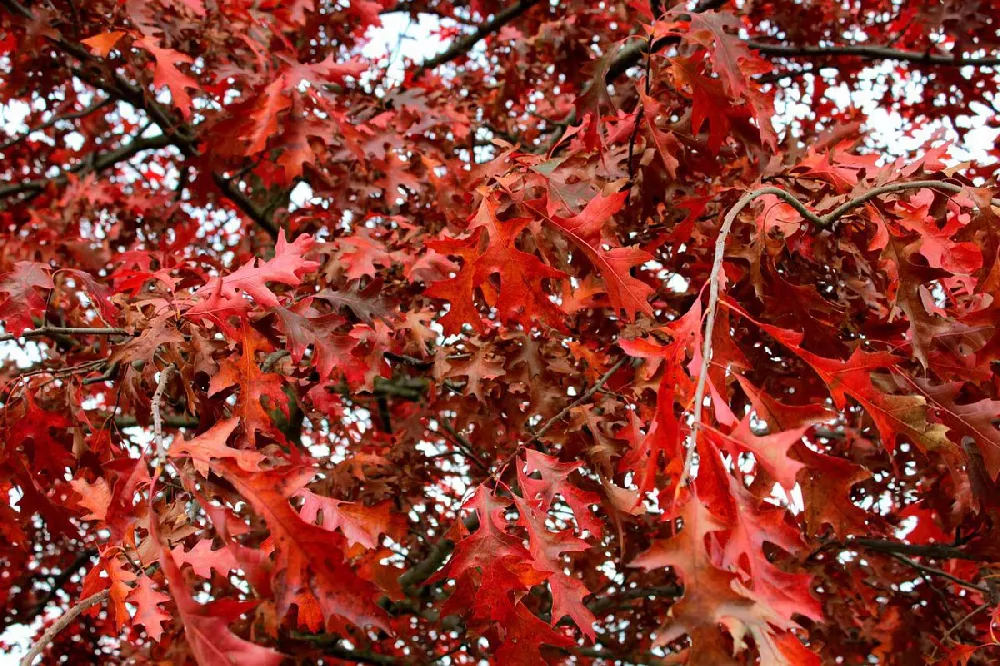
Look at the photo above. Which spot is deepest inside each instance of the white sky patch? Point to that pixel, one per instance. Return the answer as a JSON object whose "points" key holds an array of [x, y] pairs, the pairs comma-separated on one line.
{"points": [[403, 38]]}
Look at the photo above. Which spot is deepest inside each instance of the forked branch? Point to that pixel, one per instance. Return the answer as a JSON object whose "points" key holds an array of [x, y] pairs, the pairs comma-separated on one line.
{"points": [[720, 251]]}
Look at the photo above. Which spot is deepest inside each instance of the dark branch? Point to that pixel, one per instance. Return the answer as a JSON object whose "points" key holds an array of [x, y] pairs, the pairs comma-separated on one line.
{"points": [[93, 164], [872, 53], [55, 331], [932, 571], [56, 584], [629, 55], [176, 133], [463, 45], [611, 601], [936, 551], [13, 141]]}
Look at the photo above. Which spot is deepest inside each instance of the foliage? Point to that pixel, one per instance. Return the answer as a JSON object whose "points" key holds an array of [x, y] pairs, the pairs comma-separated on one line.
{"points": [[605, 336]]}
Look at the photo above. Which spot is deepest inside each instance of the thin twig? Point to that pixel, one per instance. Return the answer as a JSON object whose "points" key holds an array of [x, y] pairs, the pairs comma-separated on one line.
{"points": [[873, 52], [464, 445], [629, 55], [963, 620], [61, 624], [165, 375], [932, 571], [13, 141], [583, 398]]}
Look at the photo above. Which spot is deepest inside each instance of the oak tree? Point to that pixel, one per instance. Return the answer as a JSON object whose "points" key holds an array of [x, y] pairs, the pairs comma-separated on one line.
{"points": [[610, 334]]}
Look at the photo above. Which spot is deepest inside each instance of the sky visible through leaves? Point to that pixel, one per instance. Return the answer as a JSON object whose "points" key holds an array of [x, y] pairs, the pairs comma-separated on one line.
{"points": [[492, 375]]}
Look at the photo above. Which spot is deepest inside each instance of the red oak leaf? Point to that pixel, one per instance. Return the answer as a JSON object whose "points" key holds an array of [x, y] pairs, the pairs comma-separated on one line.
{"points": [[147, 600], [211, 445], [309, 559], [225, 295], [245, 374], [24, 300], [204, 560], [360, 524], [206, 627], [589, 231], [165, 73]]}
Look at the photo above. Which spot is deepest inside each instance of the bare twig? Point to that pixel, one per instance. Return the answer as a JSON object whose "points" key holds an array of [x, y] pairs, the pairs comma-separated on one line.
{"points": [[932, 571], [165, 375], [52, 331], [13, 141], [587, 395], [873, 52], [61, 624]]}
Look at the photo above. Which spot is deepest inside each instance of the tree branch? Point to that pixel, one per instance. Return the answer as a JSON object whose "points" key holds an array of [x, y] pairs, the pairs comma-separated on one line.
{"points": [[932, 571], [934, 550], [872, 52], [605, 603], [13, 141], [360, 656], [55, 331], [587, 395], [61, 624], [157, 403], [464, 44], [179, 134], [629, 55], [413, 577], [93, 164], [56, 584]]}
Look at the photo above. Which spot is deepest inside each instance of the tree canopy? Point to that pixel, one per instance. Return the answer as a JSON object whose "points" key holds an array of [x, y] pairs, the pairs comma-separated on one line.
{"points": [[610, 334]]}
